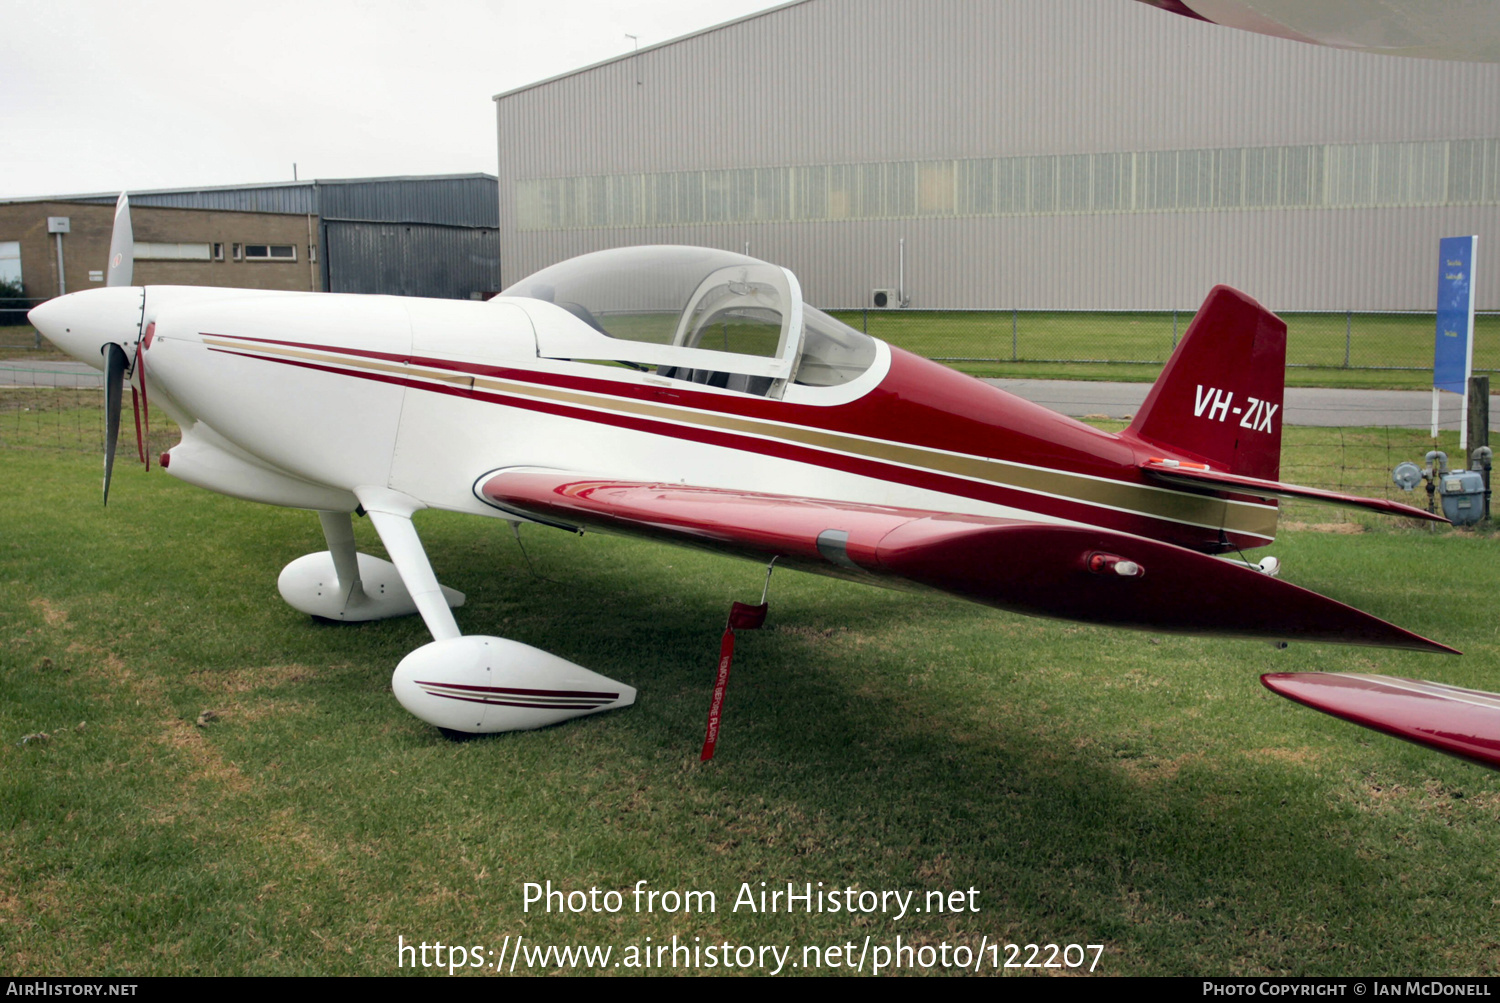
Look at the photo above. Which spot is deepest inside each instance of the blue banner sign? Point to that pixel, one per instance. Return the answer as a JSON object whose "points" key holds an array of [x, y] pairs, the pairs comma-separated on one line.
{"points": [[1453, 352]]}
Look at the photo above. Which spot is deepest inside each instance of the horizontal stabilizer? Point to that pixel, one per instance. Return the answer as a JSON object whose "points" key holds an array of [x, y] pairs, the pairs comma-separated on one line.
{"points": [[1039, 569], [1459, 722], [1183, 475]]}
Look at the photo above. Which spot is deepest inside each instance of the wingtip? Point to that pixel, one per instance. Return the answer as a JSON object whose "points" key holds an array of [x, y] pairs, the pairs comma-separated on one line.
{"points": [[1412, 512]]}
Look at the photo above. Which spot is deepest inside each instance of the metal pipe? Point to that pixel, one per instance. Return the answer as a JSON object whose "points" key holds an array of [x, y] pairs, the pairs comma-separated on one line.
{"points": [[312, 256], [1483, 459], [901, 274]]}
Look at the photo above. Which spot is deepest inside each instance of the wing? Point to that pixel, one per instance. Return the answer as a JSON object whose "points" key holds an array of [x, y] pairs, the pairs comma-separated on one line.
{"points": [[1181, 474], [1463, 723], [1040, 569]]}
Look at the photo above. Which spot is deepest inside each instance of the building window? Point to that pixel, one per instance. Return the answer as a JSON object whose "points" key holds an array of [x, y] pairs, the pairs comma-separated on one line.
{"points": [[218, 252], [10, 264], [1331, 176], [270, 252], [157, 251]]}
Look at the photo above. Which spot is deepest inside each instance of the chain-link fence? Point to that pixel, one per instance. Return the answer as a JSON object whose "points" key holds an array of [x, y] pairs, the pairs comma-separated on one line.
{"points": [[15, 332], [47, 402], [1333, 340], [1354, 460], [1349, 340], [57, 411]]}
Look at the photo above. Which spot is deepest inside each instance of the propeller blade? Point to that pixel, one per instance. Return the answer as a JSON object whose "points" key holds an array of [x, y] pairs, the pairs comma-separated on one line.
{"points": [[114, 393], [121, 247]]}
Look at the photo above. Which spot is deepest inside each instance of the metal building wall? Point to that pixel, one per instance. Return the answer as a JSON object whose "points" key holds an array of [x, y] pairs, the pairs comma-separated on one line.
{"points": [[851, 81], [409, 236], [411, 259]]}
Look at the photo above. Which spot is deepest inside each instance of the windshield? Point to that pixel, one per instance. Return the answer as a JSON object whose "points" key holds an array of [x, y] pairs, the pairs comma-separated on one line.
{"points": [[696, 300], [832, 351], [634, 293]]}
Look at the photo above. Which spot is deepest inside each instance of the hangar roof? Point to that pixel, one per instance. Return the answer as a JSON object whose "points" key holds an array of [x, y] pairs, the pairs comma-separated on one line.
{"points": [[649, 48], [443, 199]]}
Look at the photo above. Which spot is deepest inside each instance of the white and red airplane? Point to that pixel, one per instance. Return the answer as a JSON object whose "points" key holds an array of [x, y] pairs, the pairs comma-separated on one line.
{"points": [[689, 395]]}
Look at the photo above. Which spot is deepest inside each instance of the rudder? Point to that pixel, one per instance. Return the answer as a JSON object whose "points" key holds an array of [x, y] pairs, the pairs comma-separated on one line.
{"points": [[1218, 401]]}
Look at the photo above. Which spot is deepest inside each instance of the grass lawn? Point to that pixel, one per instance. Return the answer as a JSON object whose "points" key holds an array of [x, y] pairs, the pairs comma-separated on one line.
{"points": [[1089, 786]]}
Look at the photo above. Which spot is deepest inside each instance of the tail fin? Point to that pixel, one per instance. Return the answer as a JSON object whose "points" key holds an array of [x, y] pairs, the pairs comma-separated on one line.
{"points": [[1218, 400]]}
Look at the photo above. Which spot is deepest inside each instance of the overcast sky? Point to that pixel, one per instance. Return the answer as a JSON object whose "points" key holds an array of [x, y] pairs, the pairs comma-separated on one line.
{"points": [[101, 96]]}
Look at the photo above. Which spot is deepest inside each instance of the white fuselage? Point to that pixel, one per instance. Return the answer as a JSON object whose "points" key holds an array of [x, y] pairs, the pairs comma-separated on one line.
{"points": [[319, 394]]}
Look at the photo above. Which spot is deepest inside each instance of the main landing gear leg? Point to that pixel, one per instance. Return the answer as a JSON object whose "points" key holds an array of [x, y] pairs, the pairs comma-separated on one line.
{"points": [[342, 584], [391, 512], [338, 530], [475, 683]]}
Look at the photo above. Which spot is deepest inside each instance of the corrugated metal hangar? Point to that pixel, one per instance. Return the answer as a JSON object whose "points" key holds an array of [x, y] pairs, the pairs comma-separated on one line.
{"points": [[1038, 154], [412, 236]]}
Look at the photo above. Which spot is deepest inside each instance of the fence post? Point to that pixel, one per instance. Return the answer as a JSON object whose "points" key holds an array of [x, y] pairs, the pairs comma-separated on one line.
{"points": [[865, 324], [1013, 334], [1348, 326], [1174, 330], [1479, 428]]}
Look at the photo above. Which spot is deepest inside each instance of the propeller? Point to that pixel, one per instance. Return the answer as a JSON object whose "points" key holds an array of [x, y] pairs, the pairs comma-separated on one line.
{"points": [[101, 327], [121, 270]]}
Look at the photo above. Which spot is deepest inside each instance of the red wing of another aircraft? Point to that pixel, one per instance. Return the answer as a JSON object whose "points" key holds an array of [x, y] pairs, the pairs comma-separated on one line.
{"points": [[1460, 722], [1424, 29]]}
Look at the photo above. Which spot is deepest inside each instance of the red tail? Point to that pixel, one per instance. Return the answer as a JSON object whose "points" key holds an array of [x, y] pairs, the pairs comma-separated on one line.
{"points": [[1218, 400]]}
